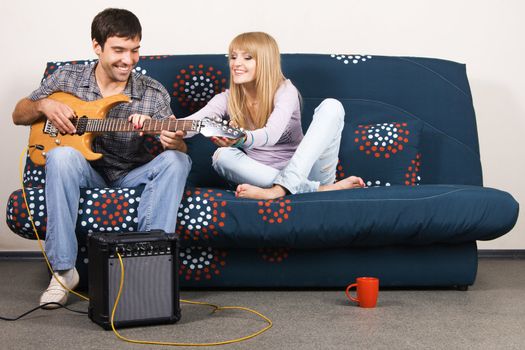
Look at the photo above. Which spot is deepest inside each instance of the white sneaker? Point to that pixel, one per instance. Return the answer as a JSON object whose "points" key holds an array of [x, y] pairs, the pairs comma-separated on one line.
{"points": [[55, 293]]}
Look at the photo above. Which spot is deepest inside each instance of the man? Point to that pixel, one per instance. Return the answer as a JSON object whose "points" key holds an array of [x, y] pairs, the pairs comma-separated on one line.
{"points": [[116, 36]]}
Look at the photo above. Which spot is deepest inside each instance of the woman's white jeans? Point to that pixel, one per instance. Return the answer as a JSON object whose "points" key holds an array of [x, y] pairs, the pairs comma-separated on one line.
{"points": [[313, 164]]}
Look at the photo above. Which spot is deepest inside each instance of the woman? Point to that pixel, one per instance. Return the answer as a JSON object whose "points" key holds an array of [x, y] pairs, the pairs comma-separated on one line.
{"points": [[274, 157]]}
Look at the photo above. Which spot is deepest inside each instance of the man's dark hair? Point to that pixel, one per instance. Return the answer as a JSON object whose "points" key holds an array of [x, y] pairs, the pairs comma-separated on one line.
{"points": [[115, 22]]}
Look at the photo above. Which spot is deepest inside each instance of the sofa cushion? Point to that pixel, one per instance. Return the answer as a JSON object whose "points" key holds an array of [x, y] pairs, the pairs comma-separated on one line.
{"points": [[100, 210], [375, 216]]}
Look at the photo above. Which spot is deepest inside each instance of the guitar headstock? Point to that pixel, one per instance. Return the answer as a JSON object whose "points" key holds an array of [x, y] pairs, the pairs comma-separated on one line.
{"points": [[216, 126]]}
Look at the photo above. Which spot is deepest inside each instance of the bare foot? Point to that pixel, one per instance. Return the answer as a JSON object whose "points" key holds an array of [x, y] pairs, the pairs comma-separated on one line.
{"points": [[254, 192], [344, 184]]}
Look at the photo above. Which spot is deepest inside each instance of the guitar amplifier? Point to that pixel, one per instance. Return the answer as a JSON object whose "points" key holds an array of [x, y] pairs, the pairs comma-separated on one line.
{"points": [[150, 294]]}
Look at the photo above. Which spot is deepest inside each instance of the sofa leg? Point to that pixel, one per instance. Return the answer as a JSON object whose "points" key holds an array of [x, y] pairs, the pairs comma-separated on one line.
{"points": [[462, 287]]}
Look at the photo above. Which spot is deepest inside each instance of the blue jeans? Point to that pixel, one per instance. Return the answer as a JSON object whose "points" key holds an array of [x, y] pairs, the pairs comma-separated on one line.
{"points": [[67, 171], [313, 164]]}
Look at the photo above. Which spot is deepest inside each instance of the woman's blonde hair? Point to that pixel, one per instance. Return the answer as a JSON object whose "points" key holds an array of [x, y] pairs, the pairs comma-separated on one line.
{"points": [[268, 76]]}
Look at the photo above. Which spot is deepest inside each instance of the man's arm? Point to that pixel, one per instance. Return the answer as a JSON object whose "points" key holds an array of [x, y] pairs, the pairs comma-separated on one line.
{"points": [[26, 112]]}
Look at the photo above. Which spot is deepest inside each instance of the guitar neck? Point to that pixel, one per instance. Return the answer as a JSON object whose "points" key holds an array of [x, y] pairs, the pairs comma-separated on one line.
{"points": [[154, 126]]}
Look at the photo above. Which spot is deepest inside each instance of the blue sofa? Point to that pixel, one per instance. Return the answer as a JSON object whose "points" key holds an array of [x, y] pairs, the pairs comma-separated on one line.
{"points": [[410, 132]]}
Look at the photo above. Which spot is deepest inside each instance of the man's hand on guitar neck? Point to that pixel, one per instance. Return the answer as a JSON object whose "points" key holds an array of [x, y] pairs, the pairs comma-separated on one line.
{"points": [[174, 140], [168, 139]]}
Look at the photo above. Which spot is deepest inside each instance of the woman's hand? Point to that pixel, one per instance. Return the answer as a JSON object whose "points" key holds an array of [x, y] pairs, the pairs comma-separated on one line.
{"points": [[223, 141], [138, 121]]}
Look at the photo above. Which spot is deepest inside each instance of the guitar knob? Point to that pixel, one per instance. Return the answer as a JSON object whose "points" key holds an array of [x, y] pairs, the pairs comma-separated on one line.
{"points": [[225, 122], [57, 141], [218, 119]]}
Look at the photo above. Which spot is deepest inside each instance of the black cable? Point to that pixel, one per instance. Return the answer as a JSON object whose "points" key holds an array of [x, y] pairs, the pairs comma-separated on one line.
{"points": [[41, 307]]}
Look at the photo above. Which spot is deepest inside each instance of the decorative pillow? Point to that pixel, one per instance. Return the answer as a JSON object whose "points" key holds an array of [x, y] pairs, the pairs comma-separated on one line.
{"points": [[383, 154]]}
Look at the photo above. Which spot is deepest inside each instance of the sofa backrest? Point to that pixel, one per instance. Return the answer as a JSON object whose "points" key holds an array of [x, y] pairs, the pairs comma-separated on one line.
{"points": [[373, 89]]}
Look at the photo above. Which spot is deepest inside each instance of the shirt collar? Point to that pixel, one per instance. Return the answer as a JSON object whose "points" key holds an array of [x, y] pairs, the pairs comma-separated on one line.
{"points": [[134, 88]]}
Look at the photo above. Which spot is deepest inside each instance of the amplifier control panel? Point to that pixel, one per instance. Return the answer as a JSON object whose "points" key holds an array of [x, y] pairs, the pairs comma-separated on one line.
{"points": [[129, 249]]}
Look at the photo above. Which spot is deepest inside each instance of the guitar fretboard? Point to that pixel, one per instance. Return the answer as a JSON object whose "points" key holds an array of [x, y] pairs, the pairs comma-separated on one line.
{"points": [[115, 125]]}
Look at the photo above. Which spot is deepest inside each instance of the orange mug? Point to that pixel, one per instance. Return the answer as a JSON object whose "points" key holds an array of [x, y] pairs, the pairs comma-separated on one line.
{"points": [[367, 291]]}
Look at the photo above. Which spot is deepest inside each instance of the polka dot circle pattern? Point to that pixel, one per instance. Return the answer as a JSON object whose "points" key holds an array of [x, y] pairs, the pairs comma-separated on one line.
{"points": [[140, 70], [376, 183], [82, 257], [53, 66], [17, 217], [151, 58], [34, 176], [340, 172], [201, 214], [412, 177], [274, 255], [108, 210], [382, 140], [100, 209], [153, 146], [196, 85], [198, 263], [275, 211], [354, 59]]}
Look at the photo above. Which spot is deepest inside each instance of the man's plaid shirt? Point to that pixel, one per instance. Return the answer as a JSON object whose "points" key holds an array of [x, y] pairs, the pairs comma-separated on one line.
{"points": [[122, 151]]}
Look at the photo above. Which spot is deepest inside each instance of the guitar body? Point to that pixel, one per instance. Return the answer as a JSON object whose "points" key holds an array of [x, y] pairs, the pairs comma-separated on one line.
{"points": [[42, 139]]}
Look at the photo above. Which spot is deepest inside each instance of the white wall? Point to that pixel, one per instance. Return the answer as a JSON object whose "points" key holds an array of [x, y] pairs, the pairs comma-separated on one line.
{"points": [[486, 35]]}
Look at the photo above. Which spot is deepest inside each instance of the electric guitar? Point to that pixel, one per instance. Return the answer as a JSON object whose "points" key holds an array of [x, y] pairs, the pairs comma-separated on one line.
{"points": [[90, 120]]}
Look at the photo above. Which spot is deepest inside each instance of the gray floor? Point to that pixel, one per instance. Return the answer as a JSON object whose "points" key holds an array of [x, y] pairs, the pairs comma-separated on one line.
{"points": [[490, 315]]}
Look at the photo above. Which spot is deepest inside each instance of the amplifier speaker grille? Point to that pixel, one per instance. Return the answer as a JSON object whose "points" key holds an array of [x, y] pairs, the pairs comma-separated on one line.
{"points": [[148, 287]]}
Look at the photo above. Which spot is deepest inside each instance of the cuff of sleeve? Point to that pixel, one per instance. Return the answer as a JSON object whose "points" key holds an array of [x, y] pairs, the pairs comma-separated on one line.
{"points": [[248, 143], [239, 142]]}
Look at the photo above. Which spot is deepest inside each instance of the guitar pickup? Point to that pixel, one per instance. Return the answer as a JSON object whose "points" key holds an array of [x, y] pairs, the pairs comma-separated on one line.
{"points": [[80, 124]]}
